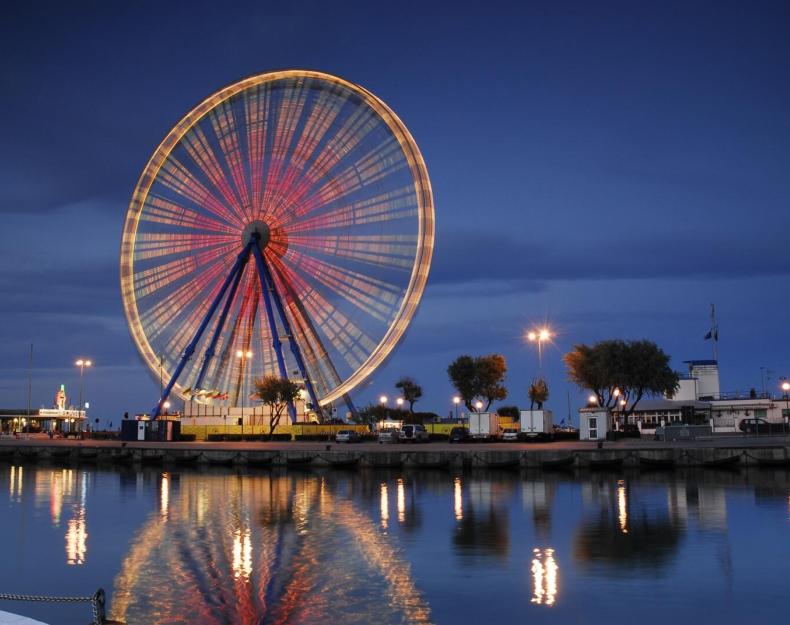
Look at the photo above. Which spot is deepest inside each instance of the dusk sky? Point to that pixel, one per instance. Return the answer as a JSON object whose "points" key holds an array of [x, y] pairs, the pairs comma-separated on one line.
{"points": [[610, 168]]}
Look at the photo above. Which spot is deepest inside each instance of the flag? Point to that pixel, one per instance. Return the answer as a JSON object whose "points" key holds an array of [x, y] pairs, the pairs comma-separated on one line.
{"points": [[709, 335]]}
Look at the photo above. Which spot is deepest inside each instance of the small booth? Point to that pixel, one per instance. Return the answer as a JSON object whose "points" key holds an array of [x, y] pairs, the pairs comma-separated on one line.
{"points": [[594, 423], [144, 429]]}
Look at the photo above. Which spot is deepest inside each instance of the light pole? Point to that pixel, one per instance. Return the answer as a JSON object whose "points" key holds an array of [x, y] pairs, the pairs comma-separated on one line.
{"points": [[456, 401], [786, 390], [243, 357], [539, 336], [166, 406], [383, 402], [479, 406], [82, 364]]}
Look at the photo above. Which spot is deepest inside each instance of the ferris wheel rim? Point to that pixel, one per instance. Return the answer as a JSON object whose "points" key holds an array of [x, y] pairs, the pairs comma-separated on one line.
{"points": [[425, 213]]}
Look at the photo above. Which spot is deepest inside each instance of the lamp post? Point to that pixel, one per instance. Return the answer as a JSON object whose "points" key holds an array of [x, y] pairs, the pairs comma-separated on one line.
{"points": [[456, 401], [478, 405], [786, 390], [539, 336], [82, 364], [243, 356], [166, 406]]}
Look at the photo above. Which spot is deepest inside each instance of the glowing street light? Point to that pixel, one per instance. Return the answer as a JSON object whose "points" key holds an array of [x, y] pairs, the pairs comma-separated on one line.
{"points": [[243, 356], [540, 336], [456, 401], [399, 401], [479, 405], [786, 390], [592, 399], [82, 364]]}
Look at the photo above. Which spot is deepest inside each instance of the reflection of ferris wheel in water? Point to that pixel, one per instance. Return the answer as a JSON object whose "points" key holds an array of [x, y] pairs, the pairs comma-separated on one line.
{"points": [[288, 215]]}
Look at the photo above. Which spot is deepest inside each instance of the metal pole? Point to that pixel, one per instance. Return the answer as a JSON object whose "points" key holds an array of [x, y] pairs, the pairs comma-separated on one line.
{"points": [[79, 408], [30, 383]]}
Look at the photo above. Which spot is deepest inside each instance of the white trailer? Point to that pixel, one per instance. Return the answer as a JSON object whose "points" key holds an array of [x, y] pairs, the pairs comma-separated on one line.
{"points": [[536, 422], [484, 425]]}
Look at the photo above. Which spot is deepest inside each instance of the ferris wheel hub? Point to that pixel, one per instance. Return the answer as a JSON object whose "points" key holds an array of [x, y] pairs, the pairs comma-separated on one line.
{"points": [[256, 227]]}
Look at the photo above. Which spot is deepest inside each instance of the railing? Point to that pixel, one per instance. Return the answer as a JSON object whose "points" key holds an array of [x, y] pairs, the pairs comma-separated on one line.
{"points": [[96, 601]]}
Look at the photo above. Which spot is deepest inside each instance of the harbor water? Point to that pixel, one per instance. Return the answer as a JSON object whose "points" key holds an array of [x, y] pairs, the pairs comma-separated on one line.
{"points": [[221, 545]]}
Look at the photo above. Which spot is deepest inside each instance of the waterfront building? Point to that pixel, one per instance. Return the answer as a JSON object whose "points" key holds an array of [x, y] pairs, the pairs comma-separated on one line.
{"points": [[60, 420]]}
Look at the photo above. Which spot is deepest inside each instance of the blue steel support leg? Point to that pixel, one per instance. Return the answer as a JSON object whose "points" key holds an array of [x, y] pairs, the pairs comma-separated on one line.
{"points": [[291, 342], [221, 323], [265, 289], [190, 349]]}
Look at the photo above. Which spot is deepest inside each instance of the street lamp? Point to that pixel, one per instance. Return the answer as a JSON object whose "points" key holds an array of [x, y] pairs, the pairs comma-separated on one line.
{"points": [[82, 364], [399, 401], [592, 399], [478, 405], [166, 406], [456, 401], [539, 336], [243, 356], [383, 401], [786, 390]]}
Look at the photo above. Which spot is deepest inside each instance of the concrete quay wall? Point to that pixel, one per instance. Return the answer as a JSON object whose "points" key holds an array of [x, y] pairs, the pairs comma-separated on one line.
{"points": [[416, 456]]}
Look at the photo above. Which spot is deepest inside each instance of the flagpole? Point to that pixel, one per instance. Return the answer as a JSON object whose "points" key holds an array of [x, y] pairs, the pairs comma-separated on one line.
{"points": [[715, 330]]}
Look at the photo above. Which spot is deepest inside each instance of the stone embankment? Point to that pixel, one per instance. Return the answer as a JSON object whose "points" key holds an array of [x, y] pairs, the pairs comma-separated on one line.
{"points": [[770, 452]]}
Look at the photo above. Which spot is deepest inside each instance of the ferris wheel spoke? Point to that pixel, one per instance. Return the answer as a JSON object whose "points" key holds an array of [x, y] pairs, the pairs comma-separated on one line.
{"points": [[385, 251], [200, 150], [223, 122], [400, 204], [374, 297], [256, 107], [155, 245], [287, 112], [167, 212], [176, 177]]}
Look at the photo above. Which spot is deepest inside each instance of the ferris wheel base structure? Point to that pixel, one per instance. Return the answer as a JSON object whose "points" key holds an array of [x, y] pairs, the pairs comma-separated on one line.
{"points": [[254, 242]]}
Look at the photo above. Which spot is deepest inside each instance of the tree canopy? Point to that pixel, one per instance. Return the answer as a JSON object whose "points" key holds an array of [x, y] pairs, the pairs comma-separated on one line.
{"points": [[276, 393], [479, 378], [538, 393], [616, 370], [410, 390]]}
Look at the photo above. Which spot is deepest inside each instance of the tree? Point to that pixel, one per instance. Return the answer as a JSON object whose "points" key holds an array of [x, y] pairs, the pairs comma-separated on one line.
{"points": [[410, 390], [276, 393], [479, 378], [538, 393], [616, 371]]}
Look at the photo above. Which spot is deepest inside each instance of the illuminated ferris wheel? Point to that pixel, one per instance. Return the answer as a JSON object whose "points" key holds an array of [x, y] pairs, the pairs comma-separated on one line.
{"points": [[288, 216]]}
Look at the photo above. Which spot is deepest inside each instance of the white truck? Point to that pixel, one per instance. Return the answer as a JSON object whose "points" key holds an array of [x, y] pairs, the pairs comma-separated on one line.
{"points": [[536, 423], [484, 425]]}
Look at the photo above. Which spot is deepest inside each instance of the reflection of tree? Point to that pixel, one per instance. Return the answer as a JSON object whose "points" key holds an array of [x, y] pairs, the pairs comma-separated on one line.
{"points": [[484, 525], [650, 542]]}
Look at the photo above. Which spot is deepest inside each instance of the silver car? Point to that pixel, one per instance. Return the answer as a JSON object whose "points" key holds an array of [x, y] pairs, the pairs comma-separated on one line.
{"points": [[389, 435], [347, 436], [414, 434]]}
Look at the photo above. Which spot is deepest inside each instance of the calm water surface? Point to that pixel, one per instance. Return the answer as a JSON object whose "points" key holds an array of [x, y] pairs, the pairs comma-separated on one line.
{"points": [[211, 547]]}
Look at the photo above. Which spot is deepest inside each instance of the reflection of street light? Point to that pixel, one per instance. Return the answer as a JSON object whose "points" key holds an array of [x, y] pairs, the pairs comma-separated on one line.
{"points": [[82, 364], [243, 356], [456, 401], [540, 336]]}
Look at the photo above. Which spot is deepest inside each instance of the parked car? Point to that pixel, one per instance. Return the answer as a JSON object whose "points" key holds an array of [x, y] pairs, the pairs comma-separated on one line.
{"points": [[510, 434], [347, 436], [414, 434], [460, 435], [754, 426], [389, 435]]}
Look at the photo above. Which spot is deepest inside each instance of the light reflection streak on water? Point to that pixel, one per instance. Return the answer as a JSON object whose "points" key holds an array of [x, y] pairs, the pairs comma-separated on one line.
{"points": [[384, 506], [622, 506], [459, 500], [77, 528], [242, 554], [164, 495], [544, 577], [401, 502], [15, 483]]}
